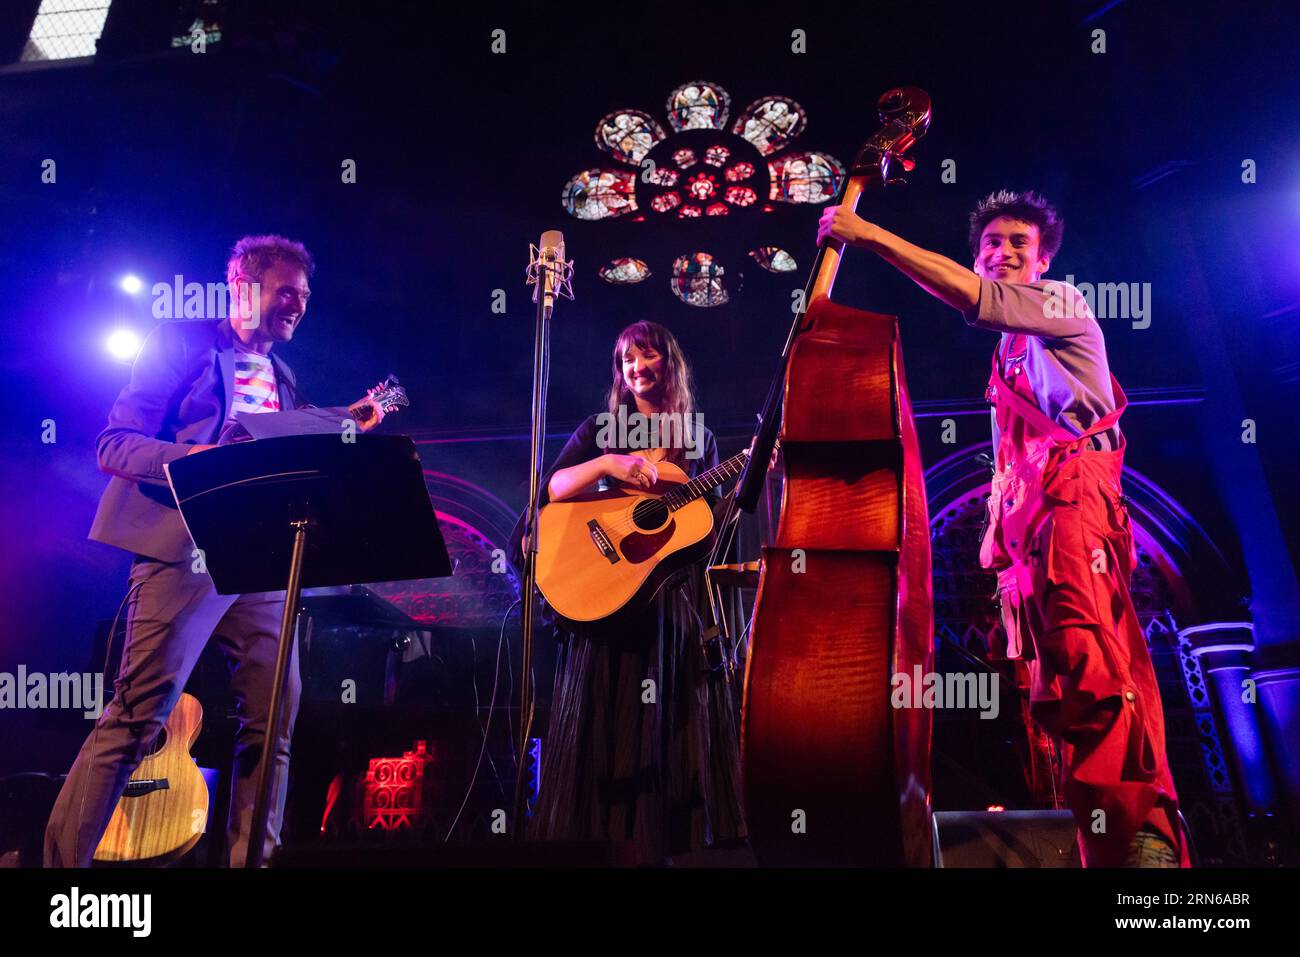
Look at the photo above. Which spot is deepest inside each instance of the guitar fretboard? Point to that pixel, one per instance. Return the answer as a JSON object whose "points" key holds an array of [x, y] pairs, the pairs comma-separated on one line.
{"points": [[705, 481]]}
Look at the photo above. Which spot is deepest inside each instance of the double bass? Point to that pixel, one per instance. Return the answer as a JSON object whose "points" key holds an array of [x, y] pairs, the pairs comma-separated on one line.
{"points": [[833, 775]]}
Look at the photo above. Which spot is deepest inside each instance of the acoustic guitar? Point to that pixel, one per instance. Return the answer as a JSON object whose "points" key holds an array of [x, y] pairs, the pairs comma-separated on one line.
{"points": [[600, 552], [164, 809]]}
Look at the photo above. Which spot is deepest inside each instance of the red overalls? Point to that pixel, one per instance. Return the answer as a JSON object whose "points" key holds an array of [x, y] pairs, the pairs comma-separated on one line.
{"points": [[1060, 540]]}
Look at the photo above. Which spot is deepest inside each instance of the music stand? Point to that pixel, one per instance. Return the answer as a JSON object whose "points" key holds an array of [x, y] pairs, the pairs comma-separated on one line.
{"points": [[314, 510]]}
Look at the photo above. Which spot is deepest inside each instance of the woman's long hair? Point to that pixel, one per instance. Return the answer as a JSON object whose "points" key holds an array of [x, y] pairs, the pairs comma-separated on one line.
{"points": [[675, 378]]}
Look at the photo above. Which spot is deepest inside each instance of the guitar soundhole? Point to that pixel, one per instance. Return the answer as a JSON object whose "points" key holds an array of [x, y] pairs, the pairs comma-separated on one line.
{"points": [[649, 514]]}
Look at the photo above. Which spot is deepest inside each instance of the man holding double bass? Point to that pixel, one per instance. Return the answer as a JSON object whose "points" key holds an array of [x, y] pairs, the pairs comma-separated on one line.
{"points": [[1059, 535]]}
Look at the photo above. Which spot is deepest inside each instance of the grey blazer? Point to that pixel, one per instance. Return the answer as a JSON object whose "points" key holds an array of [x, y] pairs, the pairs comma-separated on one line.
{"points": [[181, 389]]}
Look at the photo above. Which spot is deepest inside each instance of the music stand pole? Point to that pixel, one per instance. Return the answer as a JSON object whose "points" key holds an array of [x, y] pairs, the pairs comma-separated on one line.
{"points": [[270, 742]]}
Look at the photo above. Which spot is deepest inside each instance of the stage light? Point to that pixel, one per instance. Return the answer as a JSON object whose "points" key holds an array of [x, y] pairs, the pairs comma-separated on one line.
{"points": [[122, 344], [131, 284], [63, 31]]}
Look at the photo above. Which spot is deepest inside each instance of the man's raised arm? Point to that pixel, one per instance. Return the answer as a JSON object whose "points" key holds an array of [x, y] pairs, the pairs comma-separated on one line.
{"points": [[941, 277]]}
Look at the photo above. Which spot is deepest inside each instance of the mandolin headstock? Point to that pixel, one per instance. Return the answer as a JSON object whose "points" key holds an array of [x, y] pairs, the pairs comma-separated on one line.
{"points": [[389, 395]]}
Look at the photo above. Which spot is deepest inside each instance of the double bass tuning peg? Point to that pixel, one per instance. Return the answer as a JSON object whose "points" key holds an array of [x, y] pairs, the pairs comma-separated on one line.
{"points": [[908, 165]]}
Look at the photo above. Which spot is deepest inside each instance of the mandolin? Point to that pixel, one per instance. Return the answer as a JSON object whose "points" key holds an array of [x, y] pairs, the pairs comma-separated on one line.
{"points": [[600, 552], [388, 395], [164, 810]]}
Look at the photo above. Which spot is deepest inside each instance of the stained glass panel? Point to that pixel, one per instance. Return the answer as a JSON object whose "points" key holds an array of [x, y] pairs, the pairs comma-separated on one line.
{"points": [[771, 123], [698, 280], [805, 177], [600, 194], [739, 171], [624, 272], [698, 106], [684, 158], [716, 155], [727, 178], [741, 196], [662, 176], [701, 186], [628, 135], [773, 259], [665, 202]]}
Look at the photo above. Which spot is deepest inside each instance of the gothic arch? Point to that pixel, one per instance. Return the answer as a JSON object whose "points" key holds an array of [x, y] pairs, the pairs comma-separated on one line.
{"points": [[1180, 570], [476, 526]]}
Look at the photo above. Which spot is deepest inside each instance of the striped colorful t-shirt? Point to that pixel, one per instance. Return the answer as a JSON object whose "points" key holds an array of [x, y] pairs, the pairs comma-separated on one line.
{"points": [[255, 386]]}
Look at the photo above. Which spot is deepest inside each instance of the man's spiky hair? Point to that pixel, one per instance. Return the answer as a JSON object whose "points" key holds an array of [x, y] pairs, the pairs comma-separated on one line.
{"points": [[254, 255], [1028, 206]]}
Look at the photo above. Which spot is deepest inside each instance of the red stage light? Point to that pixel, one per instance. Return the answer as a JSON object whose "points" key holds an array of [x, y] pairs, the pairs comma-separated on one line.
{"points": [[394, 790]]}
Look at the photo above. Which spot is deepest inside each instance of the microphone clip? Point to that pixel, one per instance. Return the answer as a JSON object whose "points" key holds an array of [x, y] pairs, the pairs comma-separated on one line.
{"points": [[562, 270]]}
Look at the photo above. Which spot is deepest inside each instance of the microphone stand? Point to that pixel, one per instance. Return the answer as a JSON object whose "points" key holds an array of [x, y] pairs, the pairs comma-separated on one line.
{"points": [[548, 289]]}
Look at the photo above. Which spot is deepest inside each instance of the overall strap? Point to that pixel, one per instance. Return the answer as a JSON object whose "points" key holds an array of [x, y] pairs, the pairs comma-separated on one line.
{"points": [[1038, 419]]}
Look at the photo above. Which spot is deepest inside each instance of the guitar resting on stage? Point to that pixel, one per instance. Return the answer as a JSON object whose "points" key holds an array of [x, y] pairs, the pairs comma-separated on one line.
{"points": [[164, 810]]}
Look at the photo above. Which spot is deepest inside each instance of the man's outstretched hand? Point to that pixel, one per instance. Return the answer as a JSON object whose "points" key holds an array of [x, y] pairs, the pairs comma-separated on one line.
{"points": [[843, 225]]}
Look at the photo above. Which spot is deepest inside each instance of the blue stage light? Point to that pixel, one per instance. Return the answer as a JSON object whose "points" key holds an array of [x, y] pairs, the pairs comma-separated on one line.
{"points": [[122, 344], [131, 284]]}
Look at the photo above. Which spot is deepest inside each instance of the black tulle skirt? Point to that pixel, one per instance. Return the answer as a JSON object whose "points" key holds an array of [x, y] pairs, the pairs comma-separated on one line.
{"points": [[642, 744]]}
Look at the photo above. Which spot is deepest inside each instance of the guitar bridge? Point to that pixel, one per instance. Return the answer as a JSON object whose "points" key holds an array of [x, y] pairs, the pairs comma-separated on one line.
{"points": [[143, 786], [602, 541]]}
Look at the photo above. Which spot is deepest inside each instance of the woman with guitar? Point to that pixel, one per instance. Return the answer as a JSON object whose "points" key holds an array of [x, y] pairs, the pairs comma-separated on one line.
{"points": [[642, 744]]}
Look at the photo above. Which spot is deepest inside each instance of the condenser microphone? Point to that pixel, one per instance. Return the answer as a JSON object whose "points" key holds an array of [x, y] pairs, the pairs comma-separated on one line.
{"points": [[550, 268]]}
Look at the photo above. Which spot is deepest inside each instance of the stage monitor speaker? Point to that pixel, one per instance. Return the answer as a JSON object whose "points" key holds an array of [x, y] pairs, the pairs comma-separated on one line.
{"points": [[1005, 839]]}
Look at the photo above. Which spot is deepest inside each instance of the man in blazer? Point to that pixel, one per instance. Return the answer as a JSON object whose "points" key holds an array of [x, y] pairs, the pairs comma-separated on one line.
{"points": [[191, 383]]}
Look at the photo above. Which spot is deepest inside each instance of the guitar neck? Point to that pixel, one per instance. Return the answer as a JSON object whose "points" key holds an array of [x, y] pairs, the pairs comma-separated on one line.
{"points": [[705, 481]]}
